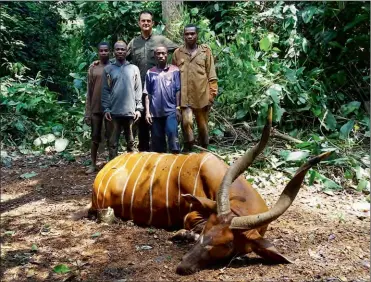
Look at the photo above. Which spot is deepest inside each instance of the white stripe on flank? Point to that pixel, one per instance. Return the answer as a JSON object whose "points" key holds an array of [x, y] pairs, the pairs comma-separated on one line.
{"points": [[126, 184], [199, 169], [150, 186], [135, 185], [109, 179], [101, 180], [167, 192], [180, 170]]}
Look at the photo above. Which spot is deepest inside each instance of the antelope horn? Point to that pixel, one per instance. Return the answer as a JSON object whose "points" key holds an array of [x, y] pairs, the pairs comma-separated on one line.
{"points": [[240, 166], [284, 202]]}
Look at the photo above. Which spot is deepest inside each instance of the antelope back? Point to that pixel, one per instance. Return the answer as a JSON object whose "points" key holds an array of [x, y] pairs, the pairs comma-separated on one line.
{"points": [[146, 187]]}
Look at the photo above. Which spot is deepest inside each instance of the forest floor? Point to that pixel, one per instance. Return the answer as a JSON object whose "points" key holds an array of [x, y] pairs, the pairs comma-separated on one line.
{"points": [[326, 235]]}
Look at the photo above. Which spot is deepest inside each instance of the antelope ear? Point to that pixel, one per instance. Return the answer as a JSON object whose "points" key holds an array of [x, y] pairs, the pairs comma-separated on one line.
{"points": [[265, 248], [202, 202]]}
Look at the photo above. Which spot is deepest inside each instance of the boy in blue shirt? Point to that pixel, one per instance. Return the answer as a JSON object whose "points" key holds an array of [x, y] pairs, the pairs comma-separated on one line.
{"points": [[162, 90]]}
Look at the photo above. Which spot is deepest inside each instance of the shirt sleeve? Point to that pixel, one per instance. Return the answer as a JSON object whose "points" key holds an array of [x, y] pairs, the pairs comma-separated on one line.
{"points": [[176, 81], [147, 84], [106, 92], [174, 59], [211, 75], [89, 93], [129, 53], [138, 91]]}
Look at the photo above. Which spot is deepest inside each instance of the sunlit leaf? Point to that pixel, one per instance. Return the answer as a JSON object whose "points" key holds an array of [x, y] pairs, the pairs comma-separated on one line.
{"points": [[297, 156]]}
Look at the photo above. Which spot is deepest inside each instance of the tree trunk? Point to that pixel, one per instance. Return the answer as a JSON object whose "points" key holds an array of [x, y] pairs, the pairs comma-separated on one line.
{"points": [[171, 13]]}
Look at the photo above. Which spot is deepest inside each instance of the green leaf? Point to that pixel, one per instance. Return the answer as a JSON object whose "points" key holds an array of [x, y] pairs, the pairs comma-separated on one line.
{"points": [[346, 129], [291, 75], [274, 91], [34, 248], [305, 44], [194, 11], [217, 132], [277, 112], [20, 126], [240, 114], [9, 233], [358, 19], [350, 107], [265, 44], [61, 269], [362, 185], [330, 184], [348, 174], [216, 7], [218, 25], [304, 145], [312, 176], [28, 175], [308, 13], [81, 66], [96, 235], [296, 156], [330, 121]]}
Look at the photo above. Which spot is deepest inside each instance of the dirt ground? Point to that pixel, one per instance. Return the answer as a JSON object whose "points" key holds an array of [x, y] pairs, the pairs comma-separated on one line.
{"points": [[327, 236]]}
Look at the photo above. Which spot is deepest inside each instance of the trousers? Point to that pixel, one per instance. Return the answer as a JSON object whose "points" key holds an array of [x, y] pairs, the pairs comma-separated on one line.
{"points": [[202, 118], [121, 124], [163, 127]]}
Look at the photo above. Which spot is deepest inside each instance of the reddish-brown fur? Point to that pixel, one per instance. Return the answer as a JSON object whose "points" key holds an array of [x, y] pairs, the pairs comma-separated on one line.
{"points": [[196, 174]]}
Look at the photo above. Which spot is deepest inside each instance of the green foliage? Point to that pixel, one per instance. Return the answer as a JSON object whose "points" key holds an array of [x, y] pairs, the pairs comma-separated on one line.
{"points": [[32, 35], [288, 56], [30, 110], [112, 21]]}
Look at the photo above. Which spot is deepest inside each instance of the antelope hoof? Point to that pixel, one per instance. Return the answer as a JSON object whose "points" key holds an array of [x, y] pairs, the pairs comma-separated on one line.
{"points": [[185, 235], [106, 216]]}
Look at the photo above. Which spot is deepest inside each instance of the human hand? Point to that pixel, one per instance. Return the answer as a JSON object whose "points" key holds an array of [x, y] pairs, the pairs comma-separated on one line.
{"points": [[88, 121], [137, 115], [149, 118], [108, 116], [178, 115]]}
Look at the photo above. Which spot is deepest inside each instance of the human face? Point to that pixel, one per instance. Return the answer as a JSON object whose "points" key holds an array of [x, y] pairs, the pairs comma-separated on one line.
{"points": [[120, 51], [103, 52], [190, 36], [145, 23], [161, 55]]}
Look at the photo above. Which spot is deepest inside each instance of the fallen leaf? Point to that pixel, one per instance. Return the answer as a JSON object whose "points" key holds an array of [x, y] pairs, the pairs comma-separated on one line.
{"points": [[28, 175], [144, 247], [61, 268], [95, 235], [34, 248]]}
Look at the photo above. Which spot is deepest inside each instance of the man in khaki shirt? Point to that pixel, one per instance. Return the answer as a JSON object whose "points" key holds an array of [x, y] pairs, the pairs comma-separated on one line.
{"points": [[198, 86]]}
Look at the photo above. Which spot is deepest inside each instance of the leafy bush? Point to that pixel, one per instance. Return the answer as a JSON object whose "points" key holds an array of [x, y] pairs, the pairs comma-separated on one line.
{"points": [[30, 110]]}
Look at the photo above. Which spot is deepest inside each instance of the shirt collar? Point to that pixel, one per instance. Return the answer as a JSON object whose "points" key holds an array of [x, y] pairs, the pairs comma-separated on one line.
{"points": [[145, 39], [166, 68], [117, 63]]}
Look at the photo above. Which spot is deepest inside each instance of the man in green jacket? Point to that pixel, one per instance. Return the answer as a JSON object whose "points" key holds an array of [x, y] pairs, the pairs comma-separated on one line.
{"points": [[141, 53], [121, 98]]}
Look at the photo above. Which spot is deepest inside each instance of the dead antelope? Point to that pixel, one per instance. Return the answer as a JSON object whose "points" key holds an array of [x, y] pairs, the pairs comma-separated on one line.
{"points": [[200, 193]]}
